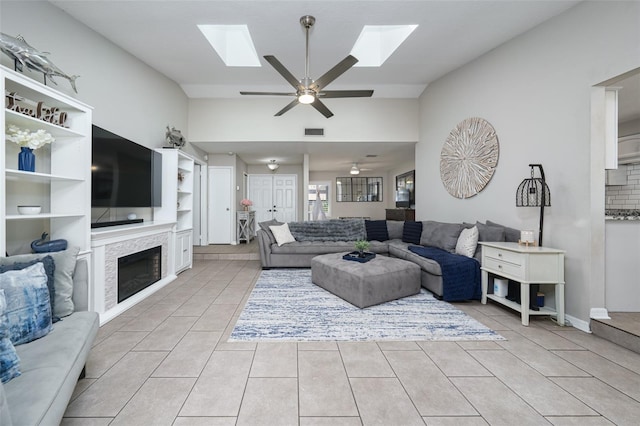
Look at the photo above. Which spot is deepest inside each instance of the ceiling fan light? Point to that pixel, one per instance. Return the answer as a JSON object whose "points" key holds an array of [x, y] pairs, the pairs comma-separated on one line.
{"points": [[307, 97], [354, 170]]}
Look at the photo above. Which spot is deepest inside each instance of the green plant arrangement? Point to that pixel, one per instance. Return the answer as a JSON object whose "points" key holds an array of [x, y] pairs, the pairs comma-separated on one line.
{"points": [[361, 246]]}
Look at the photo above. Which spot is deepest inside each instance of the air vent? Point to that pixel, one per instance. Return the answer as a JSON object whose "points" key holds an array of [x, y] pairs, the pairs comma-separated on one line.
{"points": [[314, 132]]}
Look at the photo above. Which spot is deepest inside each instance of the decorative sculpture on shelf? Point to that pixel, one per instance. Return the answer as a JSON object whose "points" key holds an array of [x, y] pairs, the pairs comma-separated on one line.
{"points": [[23, 54], [40, 246], [174, 137]]}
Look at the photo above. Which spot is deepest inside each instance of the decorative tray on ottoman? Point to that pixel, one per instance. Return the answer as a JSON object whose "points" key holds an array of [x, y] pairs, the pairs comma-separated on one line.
{"points": [[355, 256]]}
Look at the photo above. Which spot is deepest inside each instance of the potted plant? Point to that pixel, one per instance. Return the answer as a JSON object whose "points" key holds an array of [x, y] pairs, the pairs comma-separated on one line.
{"points": [[361, 246]]}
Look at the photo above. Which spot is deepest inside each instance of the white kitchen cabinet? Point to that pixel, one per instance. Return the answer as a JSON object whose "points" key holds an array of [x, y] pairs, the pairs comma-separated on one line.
{"points": [[622, 265], [617, 176]]}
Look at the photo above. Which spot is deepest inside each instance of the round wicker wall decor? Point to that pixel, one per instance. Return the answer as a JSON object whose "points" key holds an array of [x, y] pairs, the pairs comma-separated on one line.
{"points": [[469, 157]]}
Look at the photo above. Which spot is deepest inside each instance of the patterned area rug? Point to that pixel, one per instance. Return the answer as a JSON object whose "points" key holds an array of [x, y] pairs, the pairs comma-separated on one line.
{"points": [[286, 306]]}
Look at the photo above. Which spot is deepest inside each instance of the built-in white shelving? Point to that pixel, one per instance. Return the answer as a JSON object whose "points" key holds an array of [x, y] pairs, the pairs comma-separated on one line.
{"points": [[177, 203], [61, 184]]}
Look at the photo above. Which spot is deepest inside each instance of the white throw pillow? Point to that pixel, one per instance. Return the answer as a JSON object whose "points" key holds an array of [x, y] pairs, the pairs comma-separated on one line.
{"points": [[467, 242], [282, 234]]}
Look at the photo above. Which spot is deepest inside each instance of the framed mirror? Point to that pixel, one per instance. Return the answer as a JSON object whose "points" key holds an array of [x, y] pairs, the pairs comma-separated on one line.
{"points": [[358, 189], [405, 189]]}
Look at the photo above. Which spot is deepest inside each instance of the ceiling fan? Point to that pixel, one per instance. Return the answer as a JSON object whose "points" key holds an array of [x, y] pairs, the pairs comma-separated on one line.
{"points": [[310, 91]]}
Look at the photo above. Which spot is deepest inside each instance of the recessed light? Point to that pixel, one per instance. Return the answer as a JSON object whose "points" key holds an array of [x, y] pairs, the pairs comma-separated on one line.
{"points": [[232, 43], [377, 42]]}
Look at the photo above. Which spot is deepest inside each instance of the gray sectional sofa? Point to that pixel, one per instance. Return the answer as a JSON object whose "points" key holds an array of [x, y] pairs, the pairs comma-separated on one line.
{"points": [[298, 254], [50, 366]]}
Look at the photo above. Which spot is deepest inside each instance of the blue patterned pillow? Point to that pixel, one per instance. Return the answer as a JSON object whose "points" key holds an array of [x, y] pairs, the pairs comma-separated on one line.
{"points": [[376, 230], [28, 313], [49, 268], [412, 232], [9, 361]]}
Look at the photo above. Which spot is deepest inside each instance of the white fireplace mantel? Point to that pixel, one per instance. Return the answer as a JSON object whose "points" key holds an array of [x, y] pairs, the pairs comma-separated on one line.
{"points": [[111, 243]]}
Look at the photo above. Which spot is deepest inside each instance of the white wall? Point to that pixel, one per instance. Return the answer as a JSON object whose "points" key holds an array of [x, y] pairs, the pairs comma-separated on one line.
{"points": [[129, 98], [369, 120], [535, 91]]}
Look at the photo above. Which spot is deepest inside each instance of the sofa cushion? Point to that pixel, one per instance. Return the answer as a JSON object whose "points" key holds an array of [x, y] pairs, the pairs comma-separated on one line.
{"points": [[411, 232], [9, 361], [440, 235], [325, 247], [282, 234], [50, 370], [329, 230], [65, 262], [265, 227], [401, 250], [511, 235], [395, 229], [28, 311], [376, 230], [467, 242], [49, 268]]}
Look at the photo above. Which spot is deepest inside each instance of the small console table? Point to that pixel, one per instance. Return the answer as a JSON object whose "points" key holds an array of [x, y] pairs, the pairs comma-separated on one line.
{"points": [[246, 225], [527, 265]]}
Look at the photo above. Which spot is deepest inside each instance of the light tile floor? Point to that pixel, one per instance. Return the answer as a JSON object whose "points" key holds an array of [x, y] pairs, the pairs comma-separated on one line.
{"points": [[166, 362]]}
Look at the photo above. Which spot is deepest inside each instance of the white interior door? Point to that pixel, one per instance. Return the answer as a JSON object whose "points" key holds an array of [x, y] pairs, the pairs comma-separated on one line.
{"points": [[220, 201], [274, 197], [284, 198], [261, 193]]}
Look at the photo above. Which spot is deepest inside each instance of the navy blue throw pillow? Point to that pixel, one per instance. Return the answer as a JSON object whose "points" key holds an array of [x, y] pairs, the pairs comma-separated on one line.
{"points": [[376, 230], [411, 232]]}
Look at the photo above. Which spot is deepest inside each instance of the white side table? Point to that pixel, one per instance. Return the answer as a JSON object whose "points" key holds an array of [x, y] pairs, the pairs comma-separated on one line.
{"points": [[527, 265], [246, 225]]}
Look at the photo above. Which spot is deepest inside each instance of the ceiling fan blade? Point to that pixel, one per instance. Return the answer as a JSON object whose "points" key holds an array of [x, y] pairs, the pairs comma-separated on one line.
{"points": [[334, 72], [268, 93], [345, 94], [287, 108], [317, 104], [283, 71]]}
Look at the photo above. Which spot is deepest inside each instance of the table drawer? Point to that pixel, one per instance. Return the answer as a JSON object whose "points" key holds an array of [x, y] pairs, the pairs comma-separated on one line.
{"points": [[501, 254], [501, 267]]}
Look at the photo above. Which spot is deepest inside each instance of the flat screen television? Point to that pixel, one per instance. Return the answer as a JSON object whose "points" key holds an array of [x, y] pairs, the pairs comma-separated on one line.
{"points": [[124, 173]]}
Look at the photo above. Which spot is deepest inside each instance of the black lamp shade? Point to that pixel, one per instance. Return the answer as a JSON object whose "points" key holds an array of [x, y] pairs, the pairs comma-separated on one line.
{"points": [[529, 193]]}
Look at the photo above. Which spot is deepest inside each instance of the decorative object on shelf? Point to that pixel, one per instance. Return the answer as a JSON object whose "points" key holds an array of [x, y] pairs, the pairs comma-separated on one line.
{"points": [[361, 246], [526, 238], [174, 137], [29, 210], [28, 141], [26, 160], [180, 177], [469, 157], [34, 109], [534, 192], [23, 54], [273, 166], [246, 203], [40, 246]]}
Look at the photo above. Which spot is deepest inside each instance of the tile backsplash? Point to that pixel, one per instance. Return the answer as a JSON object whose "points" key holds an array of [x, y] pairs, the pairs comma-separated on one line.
{"points": [[625, 196]]}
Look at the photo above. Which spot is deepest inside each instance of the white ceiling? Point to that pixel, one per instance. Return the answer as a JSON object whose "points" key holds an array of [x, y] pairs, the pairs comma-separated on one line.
{"points": [[164, 35]]}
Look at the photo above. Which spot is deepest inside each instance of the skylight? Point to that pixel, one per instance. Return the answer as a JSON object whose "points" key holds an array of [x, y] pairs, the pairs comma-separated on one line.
{"points": [[232, 43], [377, 42]]}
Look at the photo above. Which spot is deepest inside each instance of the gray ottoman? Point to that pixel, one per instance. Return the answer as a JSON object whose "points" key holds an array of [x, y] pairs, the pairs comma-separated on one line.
{"points": [[365, 284]]}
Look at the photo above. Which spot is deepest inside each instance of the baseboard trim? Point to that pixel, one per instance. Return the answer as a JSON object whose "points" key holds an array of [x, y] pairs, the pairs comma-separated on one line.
{"points": [[578, 323], [599, 313]]}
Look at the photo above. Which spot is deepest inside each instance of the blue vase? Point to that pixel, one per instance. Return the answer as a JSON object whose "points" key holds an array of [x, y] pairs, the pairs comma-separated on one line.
{"points": [[26, 160]]}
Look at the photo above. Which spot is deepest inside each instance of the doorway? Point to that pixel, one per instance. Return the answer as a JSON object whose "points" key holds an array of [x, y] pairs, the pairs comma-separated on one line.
{"points": [[274, 197], [220, 201]]}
